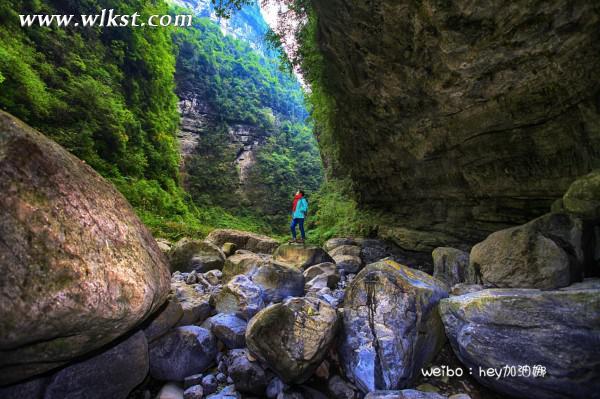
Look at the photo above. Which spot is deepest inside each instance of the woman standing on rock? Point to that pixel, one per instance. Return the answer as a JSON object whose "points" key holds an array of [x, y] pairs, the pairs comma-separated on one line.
{"points": [[299, 210]]}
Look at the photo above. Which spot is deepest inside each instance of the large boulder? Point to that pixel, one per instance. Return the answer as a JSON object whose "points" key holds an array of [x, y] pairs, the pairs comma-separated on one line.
{"points": [[182, 352], [243, 240], [229, 329], [188, 255], [279, 281], [333, 243], [553, 332], [165, 318], [248, 376], [194, 303], [301, 256], [391, 325], [321, 276], [583, 197], [451, 265], [545, 253], [243, 262], [292, 337], [240, 296], [78, 269], [111, 374]]}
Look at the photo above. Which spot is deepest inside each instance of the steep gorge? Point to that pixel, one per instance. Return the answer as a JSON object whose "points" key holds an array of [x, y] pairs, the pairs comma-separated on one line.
{"points": [[460, 118]]}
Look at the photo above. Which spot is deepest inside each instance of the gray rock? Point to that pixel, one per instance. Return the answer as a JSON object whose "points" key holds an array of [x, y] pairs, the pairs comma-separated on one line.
{"points": [[340, 389], [214, 277], [240, 296], [164, 319], [451, 265], [333, 243], [583, 197], [111, 374], [404, 394], [558, 330], [192, 380], [195, 255], [196, 305], [247, 376], [210, 384], [228, 392], [459, 396], [229, 329], [292, 337], [182, 352], [321, 276], [391, 325], [275, 387], [349, 250], [279, 281], [545, 253], [301, 256], [229, 248], [32, 389], [242, 263], [170, 391], [78, 269], [348, 263], [243, 240], [464, 288], [164, 245], [194, 392]]}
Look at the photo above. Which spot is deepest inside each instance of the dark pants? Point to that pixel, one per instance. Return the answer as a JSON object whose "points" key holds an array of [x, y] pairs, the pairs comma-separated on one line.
{"points": [[300, 223]]}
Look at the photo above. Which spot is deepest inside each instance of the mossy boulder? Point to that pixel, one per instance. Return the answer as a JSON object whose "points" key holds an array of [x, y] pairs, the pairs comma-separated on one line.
{"points": [[391, 325], [189, 255], [545, 253], [301, 256], [292, 337], [78, 269], [583, 197], [451, 265], [243, 240], [279, 281], [558, 330], [243, 262]]}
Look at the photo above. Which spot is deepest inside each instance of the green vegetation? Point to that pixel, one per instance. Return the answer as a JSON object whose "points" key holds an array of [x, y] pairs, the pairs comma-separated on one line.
{"points": [[243, 86], [107, 95], [338, 215], [104, 94]]}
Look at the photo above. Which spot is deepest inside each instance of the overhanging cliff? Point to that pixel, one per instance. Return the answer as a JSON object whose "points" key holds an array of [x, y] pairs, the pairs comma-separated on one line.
{"points": [[461, 117]]}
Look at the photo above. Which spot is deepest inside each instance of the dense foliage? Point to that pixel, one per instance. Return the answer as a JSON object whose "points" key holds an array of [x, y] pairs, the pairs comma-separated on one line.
{"points": [[108, 96], [241, 85], [104, 94]]}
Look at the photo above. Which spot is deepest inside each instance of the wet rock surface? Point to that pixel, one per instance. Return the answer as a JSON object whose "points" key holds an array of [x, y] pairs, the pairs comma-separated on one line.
{"points": [[391, 325], [558, 330]]}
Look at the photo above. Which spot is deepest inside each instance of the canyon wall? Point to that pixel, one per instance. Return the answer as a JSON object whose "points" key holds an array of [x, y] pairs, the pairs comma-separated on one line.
{"points": [[458, 118]]}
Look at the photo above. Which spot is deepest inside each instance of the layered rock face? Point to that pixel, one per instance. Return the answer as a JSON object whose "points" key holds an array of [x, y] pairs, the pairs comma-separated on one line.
{"points": [[462, 118], [521, 328], [77, 267]]}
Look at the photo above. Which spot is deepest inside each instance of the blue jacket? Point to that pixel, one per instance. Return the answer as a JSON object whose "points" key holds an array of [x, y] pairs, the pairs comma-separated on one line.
{"points": [[301, 209]]}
